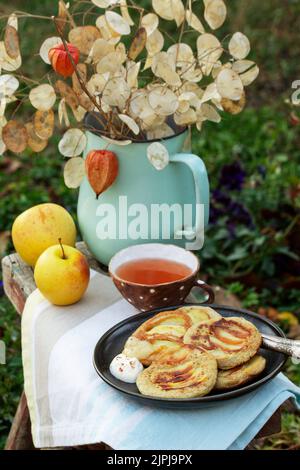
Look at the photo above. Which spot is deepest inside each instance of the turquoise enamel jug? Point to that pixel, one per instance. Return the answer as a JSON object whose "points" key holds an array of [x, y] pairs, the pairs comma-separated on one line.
{"points": [[182, 182]]}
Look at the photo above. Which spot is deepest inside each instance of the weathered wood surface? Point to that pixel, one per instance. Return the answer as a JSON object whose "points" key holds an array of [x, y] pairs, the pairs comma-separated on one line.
{"points": [[19, 284], [19, 437]]}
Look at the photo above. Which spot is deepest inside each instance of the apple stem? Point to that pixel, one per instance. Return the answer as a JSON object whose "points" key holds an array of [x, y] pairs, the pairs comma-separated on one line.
{"points": [[62, 249]]}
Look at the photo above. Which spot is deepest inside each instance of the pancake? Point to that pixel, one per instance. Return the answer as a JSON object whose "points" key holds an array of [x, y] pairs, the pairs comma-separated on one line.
{"points": [[240, 375], [149, 350], [165, 332], [185, 373], [173, 323], [200, 314], [232, 340]]}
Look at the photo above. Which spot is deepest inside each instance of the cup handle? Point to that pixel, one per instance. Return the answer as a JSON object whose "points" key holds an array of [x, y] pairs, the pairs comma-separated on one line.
{"points": [[198, 169], [206, 288]]}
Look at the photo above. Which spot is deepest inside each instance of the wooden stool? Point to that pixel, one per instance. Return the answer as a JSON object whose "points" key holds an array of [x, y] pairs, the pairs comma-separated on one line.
{"points": [[18, 285]]}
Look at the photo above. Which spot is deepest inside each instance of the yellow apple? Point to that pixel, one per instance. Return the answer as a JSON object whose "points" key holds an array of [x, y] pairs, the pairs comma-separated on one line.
{"points": [[40, 227], [62, 274]]}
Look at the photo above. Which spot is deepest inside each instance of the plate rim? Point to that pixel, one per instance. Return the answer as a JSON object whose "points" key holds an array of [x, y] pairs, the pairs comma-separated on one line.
{"points": [[227, 395]]}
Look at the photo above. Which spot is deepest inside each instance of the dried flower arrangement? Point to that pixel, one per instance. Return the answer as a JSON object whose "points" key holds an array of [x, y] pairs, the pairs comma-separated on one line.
{"points": [[139, 92]]}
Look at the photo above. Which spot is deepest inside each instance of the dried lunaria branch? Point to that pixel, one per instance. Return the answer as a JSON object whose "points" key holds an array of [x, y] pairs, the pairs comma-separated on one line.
{"points": [[182, 86]]}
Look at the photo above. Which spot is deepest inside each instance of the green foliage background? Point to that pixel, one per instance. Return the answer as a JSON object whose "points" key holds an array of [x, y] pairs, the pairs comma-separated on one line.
{"points": [[261, 137]]}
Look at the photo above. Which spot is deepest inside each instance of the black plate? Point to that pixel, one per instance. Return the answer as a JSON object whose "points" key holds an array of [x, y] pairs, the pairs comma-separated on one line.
{"points": [[112, 343]]}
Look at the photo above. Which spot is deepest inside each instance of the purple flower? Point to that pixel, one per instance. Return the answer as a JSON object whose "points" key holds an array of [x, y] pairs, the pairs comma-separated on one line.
{"points": [[223, 205], [232, 176], [239, 214], [1, 288], [220, 197]]}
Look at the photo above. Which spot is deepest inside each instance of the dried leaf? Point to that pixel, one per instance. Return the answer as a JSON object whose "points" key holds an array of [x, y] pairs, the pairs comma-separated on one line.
{"points": [[130, 123], [85, 102], [138, 44], [13, 21], [138, 102], [100, 49], [249, 76], [83, 37], [215, 13], [187, 99], [96, 84], [209, 51], [42, 97], [82, 70], [14, 136], [106, 32], [229, 85], [79, 113], [47, 45], [161, 132], [155, 43], [178, 11], [35, 143], [8, 85], [6, 62], [192, 74], [125, 12], [151, 120], [163, 101], [61, 19], [158, 155], [150, 23], [211, 92], [181, 54], [44, 124], [164, 67], [67, 93], [116, 93], [210, 113], [2, 144], [117, 23], [132, 69], [11, 42], [73, 143], [194, 22], [234, 107], [239, 46], [121, 143], [111, 63], [104, 3], [241, 66], [163, 8], [74, 172], [187, 118], [63, 113]]}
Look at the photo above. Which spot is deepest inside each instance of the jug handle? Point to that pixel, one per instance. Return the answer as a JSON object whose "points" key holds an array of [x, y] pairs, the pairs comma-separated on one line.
{"points": [[197, 167]]}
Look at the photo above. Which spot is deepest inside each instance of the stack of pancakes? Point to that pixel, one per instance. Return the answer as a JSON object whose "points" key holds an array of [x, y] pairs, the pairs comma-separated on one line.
{"points": [[192, 350]]}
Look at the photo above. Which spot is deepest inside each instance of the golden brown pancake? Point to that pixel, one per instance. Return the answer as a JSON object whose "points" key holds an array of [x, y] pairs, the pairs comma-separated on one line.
{"points": [[200, 314], [233, 378], [185, 373], [165, 332], [232, 340], [149, 350]]}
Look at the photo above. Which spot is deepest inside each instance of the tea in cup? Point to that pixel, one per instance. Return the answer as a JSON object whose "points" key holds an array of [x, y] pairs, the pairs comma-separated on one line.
{"points": [[156, 275]]}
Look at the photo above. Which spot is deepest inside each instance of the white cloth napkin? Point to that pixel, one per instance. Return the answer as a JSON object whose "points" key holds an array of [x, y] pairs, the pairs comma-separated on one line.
{"points": [[70, 405]]}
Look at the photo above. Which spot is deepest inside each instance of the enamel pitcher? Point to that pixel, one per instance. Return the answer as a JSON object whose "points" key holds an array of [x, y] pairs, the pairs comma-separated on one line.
{"points": [[123, 215]]}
